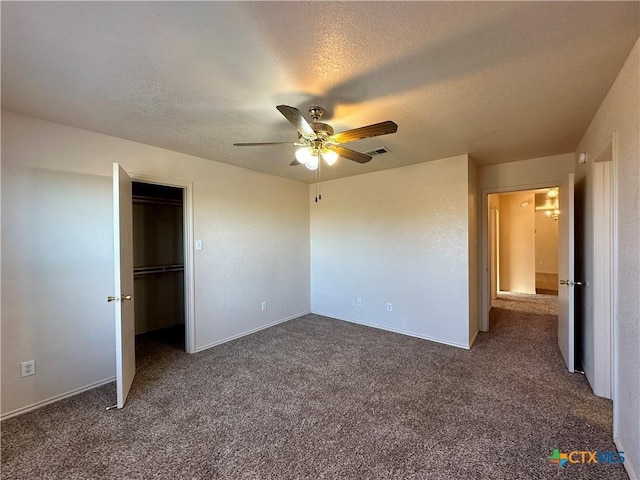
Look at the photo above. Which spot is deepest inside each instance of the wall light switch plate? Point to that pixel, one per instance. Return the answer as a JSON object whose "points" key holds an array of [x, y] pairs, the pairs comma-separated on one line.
{"points": [[198, 244]]}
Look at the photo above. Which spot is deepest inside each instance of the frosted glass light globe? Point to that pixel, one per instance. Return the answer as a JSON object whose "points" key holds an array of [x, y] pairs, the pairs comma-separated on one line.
{"points": [[312, 163], [303, 155], [330, 157]]}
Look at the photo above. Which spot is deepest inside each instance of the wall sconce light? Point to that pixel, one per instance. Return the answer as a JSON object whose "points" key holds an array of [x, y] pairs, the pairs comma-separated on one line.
{"points": [[552, 214], [547, 202]]}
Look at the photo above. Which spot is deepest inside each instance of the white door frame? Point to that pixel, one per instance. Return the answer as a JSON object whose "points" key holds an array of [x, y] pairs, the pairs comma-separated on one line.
{"points": [[604, 230], [494, 248], [189, 283], [484, 221]]}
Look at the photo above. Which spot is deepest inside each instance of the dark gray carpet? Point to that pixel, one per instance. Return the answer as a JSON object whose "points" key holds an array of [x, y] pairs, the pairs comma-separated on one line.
{"points": [[321, 398]]}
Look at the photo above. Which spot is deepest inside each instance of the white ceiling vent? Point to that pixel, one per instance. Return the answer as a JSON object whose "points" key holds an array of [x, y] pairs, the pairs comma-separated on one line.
{"points": [[378, 151]]}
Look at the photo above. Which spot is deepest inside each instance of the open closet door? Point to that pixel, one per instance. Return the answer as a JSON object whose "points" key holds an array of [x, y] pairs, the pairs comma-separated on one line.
{"points": [[123, 294], [566, 272]]}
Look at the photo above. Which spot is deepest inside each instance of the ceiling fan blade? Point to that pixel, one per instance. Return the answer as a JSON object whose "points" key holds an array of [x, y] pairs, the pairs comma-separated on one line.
{"points": [[382, 128], [352, 154], [297, 120], [294, 163], [265, 143]]}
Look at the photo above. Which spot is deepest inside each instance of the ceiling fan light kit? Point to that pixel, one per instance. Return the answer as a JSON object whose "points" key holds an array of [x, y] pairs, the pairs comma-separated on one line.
{"points": [[318, 139], [309, 157]]}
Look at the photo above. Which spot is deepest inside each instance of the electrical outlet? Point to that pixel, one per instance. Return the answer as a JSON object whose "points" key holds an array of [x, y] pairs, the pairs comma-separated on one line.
{"points": [[389, 307], [264, 305], [28, 368], [359, 302]]}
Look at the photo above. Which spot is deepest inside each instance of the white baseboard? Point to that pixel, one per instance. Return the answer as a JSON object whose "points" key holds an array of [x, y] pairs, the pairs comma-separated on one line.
{"points": [[627, 464], [57, 398], [394, 330], [249, 332]]}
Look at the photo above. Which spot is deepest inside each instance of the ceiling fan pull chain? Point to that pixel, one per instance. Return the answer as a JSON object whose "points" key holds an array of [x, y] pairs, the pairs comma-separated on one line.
{"points": [[319, 184], [317, 173]]}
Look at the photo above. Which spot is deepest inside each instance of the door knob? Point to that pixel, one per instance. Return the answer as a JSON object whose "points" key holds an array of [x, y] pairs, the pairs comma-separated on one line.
{"points": [[111, 298]]}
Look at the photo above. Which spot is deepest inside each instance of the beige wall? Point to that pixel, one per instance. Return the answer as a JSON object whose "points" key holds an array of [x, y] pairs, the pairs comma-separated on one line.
{"points": [[527, 174], [620, 112], [400, 236], [57, 268], [57, 258], [517, 243], [546, 242]]}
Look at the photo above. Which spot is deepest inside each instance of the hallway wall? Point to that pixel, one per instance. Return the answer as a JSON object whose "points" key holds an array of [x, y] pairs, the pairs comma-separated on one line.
{"points": [[517, 242]]}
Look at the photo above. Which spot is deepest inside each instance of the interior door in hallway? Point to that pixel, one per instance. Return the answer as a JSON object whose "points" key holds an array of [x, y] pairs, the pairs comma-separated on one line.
{"points": [[566, 272], [123, 294]]}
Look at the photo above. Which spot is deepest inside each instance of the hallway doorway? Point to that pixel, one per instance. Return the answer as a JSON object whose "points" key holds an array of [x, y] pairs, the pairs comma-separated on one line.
{"points": [[512, 261], [523, 242]]}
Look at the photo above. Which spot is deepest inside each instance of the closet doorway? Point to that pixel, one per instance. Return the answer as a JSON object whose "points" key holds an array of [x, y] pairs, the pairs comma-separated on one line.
{"points": [[161, 267]]}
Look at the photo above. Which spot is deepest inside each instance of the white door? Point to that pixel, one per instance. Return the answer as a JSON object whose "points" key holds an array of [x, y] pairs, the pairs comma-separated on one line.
{"points": [[123, 295], [566, 256]]}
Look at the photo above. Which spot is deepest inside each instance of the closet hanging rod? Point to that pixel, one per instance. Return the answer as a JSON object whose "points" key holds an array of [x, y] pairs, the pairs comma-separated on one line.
{"points": [[137, 199], [158, 269]]}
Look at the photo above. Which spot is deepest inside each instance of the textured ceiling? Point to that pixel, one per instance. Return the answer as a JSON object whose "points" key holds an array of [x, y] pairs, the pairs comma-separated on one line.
{"points": [[502, 81]]}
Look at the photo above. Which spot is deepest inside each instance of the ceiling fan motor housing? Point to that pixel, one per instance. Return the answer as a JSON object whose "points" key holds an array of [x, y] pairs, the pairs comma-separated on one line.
{"points": [[322, 128]]}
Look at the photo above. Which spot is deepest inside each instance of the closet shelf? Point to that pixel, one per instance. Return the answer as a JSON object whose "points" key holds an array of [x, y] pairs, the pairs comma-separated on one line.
{"points": [[157, 269]]}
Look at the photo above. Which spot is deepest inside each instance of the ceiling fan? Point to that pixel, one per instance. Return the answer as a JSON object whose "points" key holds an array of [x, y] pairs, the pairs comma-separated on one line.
{"points": [[317, 139]]}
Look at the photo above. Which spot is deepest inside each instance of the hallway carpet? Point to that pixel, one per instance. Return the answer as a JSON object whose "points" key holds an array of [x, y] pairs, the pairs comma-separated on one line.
{"points": [[321, 398]]}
